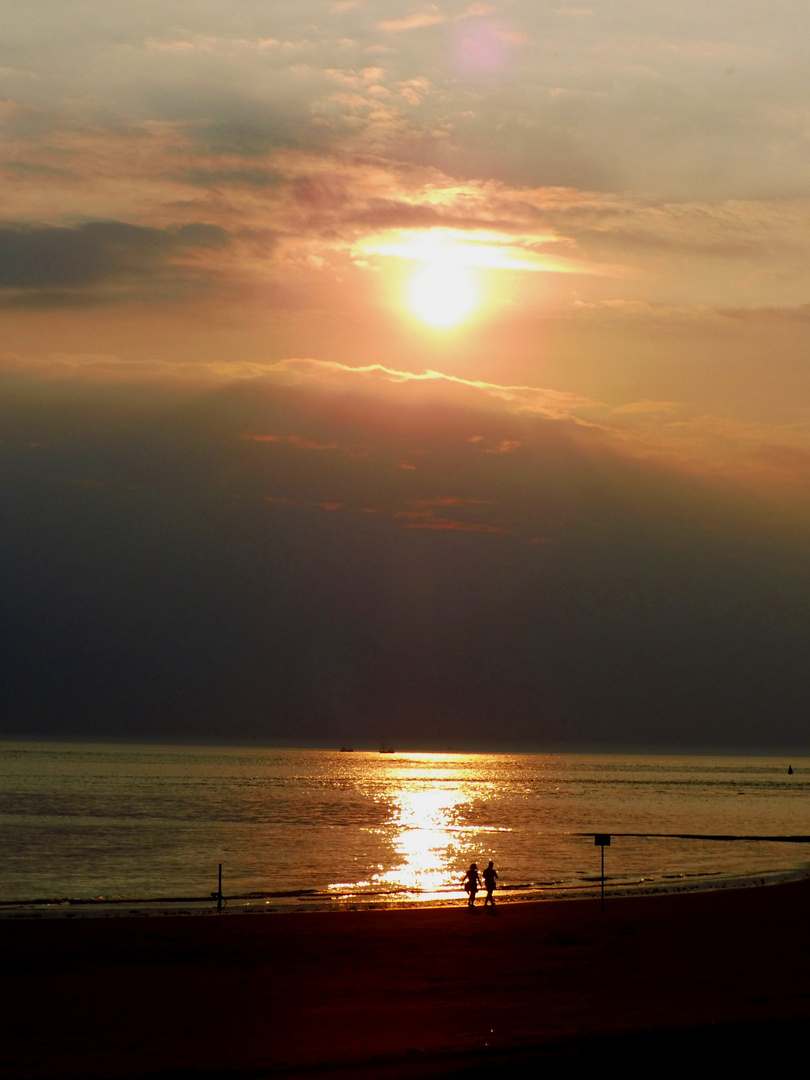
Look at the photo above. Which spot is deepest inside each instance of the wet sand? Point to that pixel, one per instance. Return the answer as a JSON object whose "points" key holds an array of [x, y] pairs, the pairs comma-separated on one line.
{"points": [[720, 978]]}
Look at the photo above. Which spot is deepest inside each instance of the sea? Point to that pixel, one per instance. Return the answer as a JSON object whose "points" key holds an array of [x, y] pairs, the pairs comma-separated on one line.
{"points": [[137, 830]]}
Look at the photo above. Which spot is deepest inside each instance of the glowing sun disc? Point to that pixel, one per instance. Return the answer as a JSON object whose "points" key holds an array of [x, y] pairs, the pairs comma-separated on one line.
{"points": [[443, 294]]}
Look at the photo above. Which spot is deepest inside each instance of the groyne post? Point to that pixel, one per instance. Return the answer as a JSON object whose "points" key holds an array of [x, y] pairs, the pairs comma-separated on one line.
{"points": [[602, 840], [218, 894]]}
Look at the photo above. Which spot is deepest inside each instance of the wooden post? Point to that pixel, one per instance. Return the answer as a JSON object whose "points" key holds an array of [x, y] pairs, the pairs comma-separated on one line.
{"points": [[602, 840], [218, 894]]}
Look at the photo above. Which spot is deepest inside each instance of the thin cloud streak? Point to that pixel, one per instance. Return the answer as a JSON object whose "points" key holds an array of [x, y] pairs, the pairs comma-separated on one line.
{"points": [[549, 403], [417, 21]]}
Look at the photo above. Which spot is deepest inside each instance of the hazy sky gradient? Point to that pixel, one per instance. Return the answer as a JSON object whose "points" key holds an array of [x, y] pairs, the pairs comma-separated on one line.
{"points": [[249, 494]]}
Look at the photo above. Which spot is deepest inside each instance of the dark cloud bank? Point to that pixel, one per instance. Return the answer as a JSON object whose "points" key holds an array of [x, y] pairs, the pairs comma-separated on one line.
{"points": [[54, 265], [164, 577]]}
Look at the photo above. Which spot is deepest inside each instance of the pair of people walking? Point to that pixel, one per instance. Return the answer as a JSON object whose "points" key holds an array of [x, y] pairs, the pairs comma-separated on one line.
{"points": [[472, 883]]}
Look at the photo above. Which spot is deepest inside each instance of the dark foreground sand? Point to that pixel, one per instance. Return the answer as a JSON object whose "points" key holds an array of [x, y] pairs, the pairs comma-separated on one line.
{"points": [[707, 979]]}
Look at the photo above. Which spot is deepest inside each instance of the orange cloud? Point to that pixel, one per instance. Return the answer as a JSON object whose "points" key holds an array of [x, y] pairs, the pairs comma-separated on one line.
{"points": [[506, 446], [306, 444], [453, 502], [419, 514]]}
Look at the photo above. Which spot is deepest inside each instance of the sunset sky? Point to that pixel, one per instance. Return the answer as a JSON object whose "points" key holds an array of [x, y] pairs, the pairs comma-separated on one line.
{"points": [[435, 373]]}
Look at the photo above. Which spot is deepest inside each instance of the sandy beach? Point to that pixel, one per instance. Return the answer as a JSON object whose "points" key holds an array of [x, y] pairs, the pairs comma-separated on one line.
{"points": [[427, 992]]}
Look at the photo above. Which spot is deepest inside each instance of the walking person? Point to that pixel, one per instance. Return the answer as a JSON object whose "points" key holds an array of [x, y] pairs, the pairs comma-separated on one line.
{"points": [[490, 876], [472, 883]]}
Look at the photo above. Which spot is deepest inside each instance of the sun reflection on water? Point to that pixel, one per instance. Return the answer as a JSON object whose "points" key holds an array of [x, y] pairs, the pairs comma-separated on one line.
{"points": [[430, 828], [426, 837]]}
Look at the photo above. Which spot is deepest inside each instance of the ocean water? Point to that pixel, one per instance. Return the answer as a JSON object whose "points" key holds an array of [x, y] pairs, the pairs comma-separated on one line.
{"points": [[139, 828]]}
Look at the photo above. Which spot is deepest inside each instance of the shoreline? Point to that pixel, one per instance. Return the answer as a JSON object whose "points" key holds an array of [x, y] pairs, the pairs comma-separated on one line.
{"points": [[404, 993], [272, 904]]}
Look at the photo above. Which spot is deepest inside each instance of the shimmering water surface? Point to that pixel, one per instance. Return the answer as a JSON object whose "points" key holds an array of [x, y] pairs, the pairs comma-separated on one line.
{"points": [[318, 829]]}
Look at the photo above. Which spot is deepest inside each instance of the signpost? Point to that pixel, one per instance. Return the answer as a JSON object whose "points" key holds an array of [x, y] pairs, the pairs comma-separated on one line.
{"points": [[602, 840]]}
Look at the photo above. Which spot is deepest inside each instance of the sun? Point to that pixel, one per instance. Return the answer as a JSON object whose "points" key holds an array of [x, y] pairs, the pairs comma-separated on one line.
{"points": [[443, 294]]}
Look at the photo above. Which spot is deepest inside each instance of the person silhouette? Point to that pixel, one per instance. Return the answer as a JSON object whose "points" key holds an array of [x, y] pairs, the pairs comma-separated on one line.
{"points": [[490, 876], [472, 883]]}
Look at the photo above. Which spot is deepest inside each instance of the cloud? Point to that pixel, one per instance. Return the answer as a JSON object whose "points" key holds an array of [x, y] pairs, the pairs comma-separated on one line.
{"points": [[769, 314], [107, 368], [421, 514], [302, 443], [505, 446], [551, 403], [772, 459], [435, 524], [573, 12], [417, 514], [482, 248], [638, 408], [639, 104], [46, 259], [250, 177], [417, 21], [451, 500], [403, 393], [523, 423], [33, 169], [245, 179], [724, 228]]}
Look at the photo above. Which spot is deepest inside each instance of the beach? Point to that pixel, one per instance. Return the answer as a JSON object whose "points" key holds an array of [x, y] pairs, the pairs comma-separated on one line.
{"points": [[411, 993]]}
